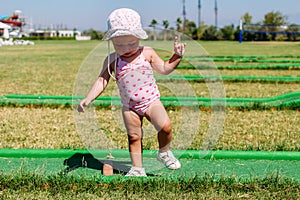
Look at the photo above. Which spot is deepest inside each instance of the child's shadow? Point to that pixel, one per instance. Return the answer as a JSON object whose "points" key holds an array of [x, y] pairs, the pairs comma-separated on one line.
{"points": [[87, 160]]}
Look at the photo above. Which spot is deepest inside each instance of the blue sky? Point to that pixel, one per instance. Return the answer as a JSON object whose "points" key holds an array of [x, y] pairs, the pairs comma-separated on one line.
{"points": [[93, 13]]}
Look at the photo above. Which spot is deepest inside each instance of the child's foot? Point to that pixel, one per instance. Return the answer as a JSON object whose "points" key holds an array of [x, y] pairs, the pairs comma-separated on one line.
{"points": [[168, 159], [136, 171]]}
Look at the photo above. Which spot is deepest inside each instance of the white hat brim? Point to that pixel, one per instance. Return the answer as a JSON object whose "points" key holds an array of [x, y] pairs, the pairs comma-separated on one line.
{"points": [[141, 34]]}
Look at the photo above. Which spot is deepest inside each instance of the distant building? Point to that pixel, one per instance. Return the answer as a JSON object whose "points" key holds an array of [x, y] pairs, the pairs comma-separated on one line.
{"points": [[80, 37], [4, 30], [54, 33], [17, 26]]}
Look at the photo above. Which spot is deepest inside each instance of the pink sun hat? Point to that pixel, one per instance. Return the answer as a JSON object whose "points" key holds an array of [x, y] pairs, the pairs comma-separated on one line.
{"points": [[124, 21]]}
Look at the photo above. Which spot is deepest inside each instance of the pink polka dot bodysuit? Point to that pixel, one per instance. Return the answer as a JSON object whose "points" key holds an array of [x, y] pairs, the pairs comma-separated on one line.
{"points": [[136, 84]]}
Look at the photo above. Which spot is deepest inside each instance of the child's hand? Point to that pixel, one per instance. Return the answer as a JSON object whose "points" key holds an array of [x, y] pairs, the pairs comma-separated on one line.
{"points": [[81, 105], [179, 48]]}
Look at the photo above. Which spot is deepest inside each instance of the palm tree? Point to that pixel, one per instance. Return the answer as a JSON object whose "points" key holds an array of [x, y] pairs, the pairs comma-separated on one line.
{"points": [[166, 25], [153, 24], [178, 24]]}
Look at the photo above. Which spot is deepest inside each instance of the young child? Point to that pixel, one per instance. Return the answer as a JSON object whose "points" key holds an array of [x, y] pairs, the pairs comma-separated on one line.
{"points": [[132, 66]]}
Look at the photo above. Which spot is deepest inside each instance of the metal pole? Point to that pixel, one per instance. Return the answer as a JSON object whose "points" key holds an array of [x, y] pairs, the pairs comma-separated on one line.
{"points": [[199, 13], [184, 15], [216, 14], [241, 31]]}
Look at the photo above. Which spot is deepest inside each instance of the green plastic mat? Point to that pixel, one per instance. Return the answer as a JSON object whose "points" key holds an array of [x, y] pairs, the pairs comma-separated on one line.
{"points": [[284, 79], [240, 62], [290, 100], [279, 66], [239, 164], [241, 59]]}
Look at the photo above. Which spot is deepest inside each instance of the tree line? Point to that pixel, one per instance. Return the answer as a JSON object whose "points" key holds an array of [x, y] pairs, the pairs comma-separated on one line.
{"points": [[274, 27]]}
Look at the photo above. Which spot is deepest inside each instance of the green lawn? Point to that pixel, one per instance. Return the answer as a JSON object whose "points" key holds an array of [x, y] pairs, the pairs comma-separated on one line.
{"points": [[51, 67], [55, 67]]}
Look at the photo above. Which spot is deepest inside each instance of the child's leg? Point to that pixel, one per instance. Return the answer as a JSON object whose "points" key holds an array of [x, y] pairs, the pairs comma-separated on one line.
{"points": [[158, 116], [133, 123]]}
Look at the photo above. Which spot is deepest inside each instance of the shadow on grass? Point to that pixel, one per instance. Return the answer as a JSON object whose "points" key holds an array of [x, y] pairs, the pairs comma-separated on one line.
{"points": [[87, 160]]}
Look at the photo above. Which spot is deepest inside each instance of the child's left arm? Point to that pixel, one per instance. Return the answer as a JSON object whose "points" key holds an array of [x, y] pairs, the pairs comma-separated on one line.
{"points": [[166, 67]]}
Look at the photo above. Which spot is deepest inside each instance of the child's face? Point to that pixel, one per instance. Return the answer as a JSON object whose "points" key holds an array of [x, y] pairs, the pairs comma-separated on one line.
{"points": [[125, 45]]}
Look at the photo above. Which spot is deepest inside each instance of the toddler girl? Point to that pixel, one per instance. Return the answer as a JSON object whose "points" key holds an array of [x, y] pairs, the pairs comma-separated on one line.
{"points": [[132, 65]]}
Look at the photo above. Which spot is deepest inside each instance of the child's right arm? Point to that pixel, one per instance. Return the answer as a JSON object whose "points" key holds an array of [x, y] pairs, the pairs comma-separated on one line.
{"points": [[96, 89], [168, 66]]}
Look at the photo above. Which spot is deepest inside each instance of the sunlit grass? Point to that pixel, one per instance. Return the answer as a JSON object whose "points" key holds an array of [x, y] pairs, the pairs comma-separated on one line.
{"points": [[32, 186], [51, 67], [55, 128], [45, 68], [251, 48]]}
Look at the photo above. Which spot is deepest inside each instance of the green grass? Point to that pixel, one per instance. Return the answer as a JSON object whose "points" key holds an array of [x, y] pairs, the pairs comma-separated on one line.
{"points": [[51, 68], [32, 186], [251, 48], [243, 130]]}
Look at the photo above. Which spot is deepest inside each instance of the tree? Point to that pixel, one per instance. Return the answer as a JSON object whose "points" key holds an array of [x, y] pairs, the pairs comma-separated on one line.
{"points": [[211, 33], [247, 36], [75, 31], [153, 24], [178, 24], [190, 28], [200, 31], [166, 25], [293, 28], [227, 32], [274, 20], [95, 35], [178, 27], [247, 18]]}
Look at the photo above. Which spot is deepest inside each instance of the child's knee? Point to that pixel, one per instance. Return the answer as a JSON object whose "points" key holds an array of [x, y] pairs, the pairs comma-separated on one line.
{"points": [[167, 128], [133, 137]]}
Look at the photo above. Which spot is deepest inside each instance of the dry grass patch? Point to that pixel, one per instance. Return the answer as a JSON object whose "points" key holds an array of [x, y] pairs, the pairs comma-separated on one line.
{"points": [[55, 128]]}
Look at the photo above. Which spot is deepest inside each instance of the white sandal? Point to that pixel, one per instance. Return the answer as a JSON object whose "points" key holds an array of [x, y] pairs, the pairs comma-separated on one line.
{"points": [[168, 159], [136, 171]]}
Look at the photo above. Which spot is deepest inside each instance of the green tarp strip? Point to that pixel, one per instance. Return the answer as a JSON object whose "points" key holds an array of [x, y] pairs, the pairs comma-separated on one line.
{"points": [[231, 78], [253, 56], [240, 60], [201, 66], [257, 62], [286, 100], [186, 154]]}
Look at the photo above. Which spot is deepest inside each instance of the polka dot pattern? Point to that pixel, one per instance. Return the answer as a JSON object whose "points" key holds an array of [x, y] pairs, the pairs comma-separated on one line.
{"points": [[136, 84]]}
